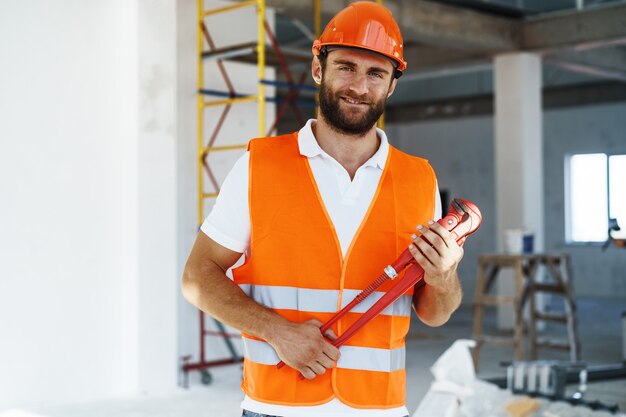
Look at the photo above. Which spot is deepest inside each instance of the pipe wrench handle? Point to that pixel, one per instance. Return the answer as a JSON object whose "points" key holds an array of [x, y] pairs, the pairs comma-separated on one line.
{"points": [[414, 274]]}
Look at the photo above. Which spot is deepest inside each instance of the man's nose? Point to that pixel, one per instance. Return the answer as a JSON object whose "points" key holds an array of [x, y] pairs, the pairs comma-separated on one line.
{"points": [[359, 84]]}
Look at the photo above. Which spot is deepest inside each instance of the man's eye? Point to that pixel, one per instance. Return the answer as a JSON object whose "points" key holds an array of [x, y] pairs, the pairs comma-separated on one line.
{"points": [[345, 69], [376, 74]]}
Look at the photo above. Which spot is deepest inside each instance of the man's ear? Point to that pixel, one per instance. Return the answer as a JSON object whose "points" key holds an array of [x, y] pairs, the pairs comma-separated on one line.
{"points": [[392, 87], [316, 70]]}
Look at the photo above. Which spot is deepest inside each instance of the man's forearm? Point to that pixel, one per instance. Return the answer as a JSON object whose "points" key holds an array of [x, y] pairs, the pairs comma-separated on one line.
{"points": [[299, 345], [209, 289], [434, 306]]}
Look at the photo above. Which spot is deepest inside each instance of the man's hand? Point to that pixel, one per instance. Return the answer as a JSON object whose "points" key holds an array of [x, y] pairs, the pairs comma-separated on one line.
{"points": [[302, 346], [437, 252]]}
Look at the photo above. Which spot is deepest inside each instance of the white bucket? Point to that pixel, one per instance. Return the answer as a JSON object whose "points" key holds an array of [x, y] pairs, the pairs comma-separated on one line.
{"points": [[518, 241]]}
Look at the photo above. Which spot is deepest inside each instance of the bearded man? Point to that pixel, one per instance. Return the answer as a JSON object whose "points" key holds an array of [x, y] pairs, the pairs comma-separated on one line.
{"points": [[318, 214]]}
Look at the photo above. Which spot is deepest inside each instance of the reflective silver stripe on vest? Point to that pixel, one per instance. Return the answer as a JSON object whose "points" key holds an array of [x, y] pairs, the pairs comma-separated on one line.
{"points": [[293, 298], [352, 357], [400, 307], [371, 359], [321, 301]]}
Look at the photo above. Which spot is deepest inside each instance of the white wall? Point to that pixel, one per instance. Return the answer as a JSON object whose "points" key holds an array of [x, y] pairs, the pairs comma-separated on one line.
{"points": [[158, 275], [462, 153], [588, 129], [87, 190]]}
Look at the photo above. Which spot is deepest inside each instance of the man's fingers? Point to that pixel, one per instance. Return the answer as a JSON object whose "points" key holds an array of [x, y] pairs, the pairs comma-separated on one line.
{"points": [[332, 352], [422, 260], [317, 368], [326, 362], [433, 239], [315, 322], [427, 249], [444, 233], [307, 373], [330, 334]]}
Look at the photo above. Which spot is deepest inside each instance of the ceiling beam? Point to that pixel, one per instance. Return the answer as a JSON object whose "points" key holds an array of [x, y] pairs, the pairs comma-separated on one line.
{"points": [[439, 36], [607, 63], [585, 29], [483, 105], [607, 58], [456, 28], [471, 31]]}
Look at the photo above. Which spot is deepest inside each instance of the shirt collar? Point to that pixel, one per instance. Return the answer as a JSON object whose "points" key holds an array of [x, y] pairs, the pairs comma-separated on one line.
{"points": [[310, 148]]}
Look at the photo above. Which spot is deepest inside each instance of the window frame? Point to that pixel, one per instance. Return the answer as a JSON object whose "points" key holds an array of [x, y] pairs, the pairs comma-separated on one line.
{"points": [[568, 204]]}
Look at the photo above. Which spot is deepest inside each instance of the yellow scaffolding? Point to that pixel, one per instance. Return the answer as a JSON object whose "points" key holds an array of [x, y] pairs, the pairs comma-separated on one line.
{"points": [[204, 150], [202, 103]]}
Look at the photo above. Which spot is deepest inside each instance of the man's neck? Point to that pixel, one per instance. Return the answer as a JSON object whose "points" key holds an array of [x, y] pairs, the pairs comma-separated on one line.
{"points": [[349, 150]]}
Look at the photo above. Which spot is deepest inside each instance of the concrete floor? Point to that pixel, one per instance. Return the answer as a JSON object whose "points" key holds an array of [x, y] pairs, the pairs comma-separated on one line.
{"points": [[600, 333]]}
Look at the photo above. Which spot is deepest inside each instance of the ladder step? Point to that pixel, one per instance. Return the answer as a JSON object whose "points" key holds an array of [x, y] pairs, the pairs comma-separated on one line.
{"points": [[558, 318], [495, 340], [495, 300], [559, 289], [553, 344]]}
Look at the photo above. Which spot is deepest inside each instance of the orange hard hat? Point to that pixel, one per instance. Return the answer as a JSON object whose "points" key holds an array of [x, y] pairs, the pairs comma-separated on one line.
{"points": [[366, 25]]}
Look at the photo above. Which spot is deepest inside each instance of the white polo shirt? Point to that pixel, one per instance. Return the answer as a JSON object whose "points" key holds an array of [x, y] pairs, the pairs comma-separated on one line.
{"points": [[346, 202]]}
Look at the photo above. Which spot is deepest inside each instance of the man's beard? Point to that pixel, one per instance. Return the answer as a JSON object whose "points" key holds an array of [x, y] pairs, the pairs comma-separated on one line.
{"points": [[340, 121]]}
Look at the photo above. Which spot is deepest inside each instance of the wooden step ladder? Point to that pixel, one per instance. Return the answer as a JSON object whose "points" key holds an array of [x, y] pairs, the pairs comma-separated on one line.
{"points": [[527, 287], [560, 284]]}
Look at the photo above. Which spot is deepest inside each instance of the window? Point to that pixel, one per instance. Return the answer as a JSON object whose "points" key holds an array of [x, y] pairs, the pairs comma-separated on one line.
{"points": [[595, 192]]}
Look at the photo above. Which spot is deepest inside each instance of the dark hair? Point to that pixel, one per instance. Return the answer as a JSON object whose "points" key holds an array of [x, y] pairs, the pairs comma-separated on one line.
{"points": [[322, 58]]}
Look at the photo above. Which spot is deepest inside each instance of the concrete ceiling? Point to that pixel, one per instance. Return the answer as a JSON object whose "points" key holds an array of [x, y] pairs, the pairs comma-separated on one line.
{"points": [[441, 34], [447, 37]]}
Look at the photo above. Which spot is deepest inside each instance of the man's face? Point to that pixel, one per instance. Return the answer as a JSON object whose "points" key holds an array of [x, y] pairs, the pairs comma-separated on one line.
{"points": [[354, 88]]}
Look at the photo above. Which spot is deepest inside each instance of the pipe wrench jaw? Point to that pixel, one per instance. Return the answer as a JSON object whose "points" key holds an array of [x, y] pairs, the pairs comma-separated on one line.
{"points": [[466, 218]]}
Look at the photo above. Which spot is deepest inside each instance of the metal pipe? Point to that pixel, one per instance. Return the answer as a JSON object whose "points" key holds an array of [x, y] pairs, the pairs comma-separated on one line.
{"points": [[229, 54], [317, 16], [219, 93], [261, 64], [594, 373], [290, 86], [229, 101], [245, 98]]}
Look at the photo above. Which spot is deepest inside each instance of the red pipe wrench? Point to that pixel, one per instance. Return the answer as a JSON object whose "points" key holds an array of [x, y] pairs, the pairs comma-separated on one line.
{"points": [[462, 219]]}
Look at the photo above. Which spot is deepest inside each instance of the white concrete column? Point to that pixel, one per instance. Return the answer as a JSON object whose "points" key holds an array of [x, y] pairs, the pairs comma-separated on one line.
{"points": [[158, 274], [518, 153]]}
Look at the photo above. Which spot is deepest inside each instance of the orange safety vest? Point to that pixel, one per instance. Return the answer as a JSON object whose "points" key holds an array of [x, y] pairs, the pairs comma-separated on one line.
{"points": [[295, 267]]}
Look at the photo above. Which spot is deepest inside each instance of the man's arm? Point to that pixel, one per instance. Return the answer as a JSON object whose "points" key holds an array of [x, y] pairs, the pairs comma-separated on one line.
{"points": [[437, 252], [205, 285]]}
